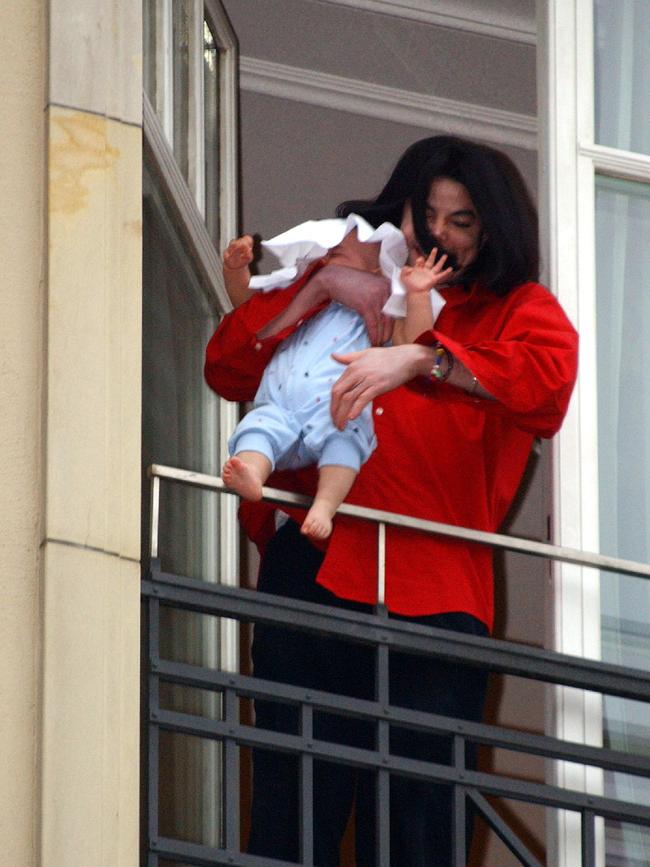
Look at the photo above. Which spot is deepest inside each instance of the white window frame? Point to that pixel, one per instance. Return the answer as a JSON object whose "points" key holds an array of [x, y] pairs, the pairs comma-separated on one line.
{"points": [[569, 162], [187, 203]]}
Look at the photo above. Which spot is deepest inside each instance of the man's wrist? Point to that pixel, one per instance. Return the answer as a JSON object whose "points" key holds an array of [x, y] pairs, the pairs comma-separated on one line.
{"points": [[424, 359], [443, 364]]}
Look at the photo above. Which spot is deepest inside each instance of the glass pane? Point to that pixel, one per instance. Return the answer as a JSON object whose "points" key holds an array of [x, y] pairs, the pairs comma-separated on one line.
{"points": [[623, 327], [180, 429], [188, 811], [182, 61], [622, 74], [181, 29], [186, 699], [211, 130], [180, 413]]}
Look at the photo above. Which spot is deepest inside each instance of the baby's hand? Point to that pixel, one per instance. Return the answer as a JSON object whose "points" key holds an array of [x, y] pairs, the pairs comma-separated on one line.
{"points": [[239, 253], [426, 273]]}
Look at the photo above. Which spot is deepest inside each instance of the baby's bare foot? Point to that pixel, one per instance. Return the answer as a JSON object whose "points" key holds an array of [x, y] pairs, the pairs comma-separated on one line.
{"points": [[242, 478], [318, 523]]}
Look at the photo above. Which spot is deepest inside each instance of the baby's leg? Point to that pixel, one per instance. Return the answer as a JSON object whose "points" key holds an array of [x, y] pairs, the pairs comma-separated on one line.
{"points": [[334, 483], [246, 472]]}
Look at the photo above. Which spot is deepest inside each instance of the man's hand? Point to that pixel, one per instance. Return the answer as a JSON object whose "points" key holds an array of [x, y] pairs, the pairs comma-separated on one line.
{"points": [[363, 292], [373, 372]]}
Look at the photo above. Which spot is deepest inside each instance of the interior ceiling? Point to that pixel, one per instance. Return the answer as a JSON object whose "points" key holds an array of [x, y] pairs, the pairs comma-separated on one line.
{"points": [[401, 48]]}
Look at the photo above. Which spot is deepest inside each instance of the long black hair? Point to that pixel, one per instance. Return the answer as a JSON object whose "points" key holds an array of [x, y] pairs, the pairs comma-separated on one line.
{"points": [[509, 254]]}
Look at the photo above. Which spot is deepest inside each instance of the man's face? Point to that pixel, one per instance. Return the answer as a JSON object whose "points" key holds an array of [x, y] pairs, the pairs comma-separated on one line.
{"points": [[452, 220]]}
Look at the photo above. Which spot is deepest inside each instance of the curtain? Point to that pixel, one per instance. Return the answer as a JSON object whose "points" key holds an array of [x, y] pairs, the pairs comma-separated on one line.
{"points": [[623, 359], [622, 121], [622, 74]]}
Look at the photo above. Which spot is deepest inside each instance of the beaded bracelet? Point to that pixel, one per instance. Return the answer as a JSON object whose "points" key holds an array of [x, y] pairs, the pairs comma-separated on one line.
{"points": [[437, 373]]}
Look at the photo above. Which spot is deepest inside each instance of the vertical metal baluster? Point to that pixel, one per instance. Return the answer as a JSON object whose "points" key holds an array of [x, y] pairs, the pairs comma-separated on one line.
{"points": [[153, 783], [382, 696], [381, 566], [231, 772], [383, 749], [306, 789], [588, 839], [459, 822], [154, 731], [155, 517]]}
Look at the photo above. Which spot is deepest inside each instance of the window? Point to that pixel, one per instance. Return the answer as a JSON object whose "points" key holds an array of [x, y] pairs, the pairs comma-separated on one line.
{"points": [[597, 146], [190, 192], [189, 82]]}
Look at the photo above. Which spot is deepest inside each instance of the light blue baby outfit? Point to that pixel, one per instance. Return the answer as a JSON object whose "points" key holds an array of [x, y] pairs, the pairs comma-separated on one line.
{"points": [[291, 423]]}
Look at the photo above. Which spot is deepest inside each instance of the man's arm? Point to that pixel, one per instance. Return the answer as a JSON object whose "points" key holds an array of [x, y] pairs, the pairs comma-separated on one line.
{"points": [[363, 292], [247, 337], [527, 371]]}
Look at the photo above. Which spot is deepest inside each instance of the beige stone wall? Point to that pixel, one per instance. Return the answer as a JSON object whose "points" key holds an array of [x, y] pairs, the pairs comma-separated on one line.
{"points": [[92, 548], [90, 693], [70, 356], [22, 196]]}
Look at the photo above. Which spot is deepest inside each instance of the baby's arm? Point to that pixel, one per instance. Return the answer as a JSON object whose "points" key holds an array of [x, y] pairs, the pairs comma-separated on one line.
{"points": [[418, 279], [236, 273]]}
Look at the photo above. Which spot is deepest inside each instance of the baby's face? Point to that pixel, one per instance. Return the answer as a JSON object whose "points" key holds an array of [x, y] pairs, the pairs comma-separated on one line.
{"points": [[356, 254]]}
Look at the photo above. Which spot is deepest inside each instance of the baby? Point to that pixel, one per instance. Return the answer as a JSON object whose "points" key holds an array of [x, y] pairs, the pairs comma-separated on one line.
{"points": [[290, 425]]}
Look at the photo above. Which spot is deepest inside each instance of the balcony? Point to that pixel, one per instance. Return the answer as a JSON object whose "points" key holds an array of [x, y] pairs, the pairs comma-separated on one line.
{"points": [[229, 728]]}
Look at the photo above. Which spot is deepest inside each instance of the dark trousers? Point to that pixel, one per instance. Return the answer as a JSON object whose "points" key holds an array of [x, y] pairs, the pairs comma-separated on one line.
{"points": [[420, 813]]}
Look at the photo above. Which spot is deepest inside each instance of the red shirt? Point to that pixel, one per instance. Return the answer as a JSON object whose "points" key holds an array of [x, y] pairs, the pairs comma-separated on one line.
{"points": [[441, 455]]}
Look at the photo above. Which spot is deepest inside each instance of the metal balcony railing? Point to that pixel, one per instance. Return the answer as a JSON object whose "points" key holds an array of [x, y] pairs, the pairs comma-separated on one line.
{"points": [[469, 786]]}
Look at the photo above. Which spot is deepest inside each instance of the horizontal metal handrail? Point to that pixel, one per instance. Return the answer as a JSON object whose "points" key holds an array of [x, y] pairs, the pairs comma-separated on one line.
{"points": [[488, 782], [246, 686], [505, 542], [505, 657]]}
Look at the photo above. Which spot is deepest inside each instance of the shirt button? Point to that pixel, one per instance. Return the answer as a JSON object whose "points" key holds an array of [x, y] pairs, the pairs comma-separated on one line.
{"points": [[379, 410], [258, 346]]}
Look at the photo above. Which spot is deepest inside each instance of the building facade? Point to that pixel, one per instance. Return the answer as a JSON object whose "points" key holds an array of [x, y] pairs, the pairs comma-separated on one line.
{"points": [[125, 128]]}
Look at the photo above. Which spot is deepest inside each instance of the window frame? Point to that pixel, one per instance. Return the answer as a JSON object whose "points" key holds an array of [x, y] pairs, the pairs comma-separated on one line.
{"points": [[184, 204]]}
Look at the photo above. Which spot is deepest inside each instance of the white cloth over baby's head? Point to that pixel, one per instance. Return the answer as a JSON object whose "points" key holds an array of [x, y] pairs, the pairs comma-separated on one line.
{"points": [[303, 244]]}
